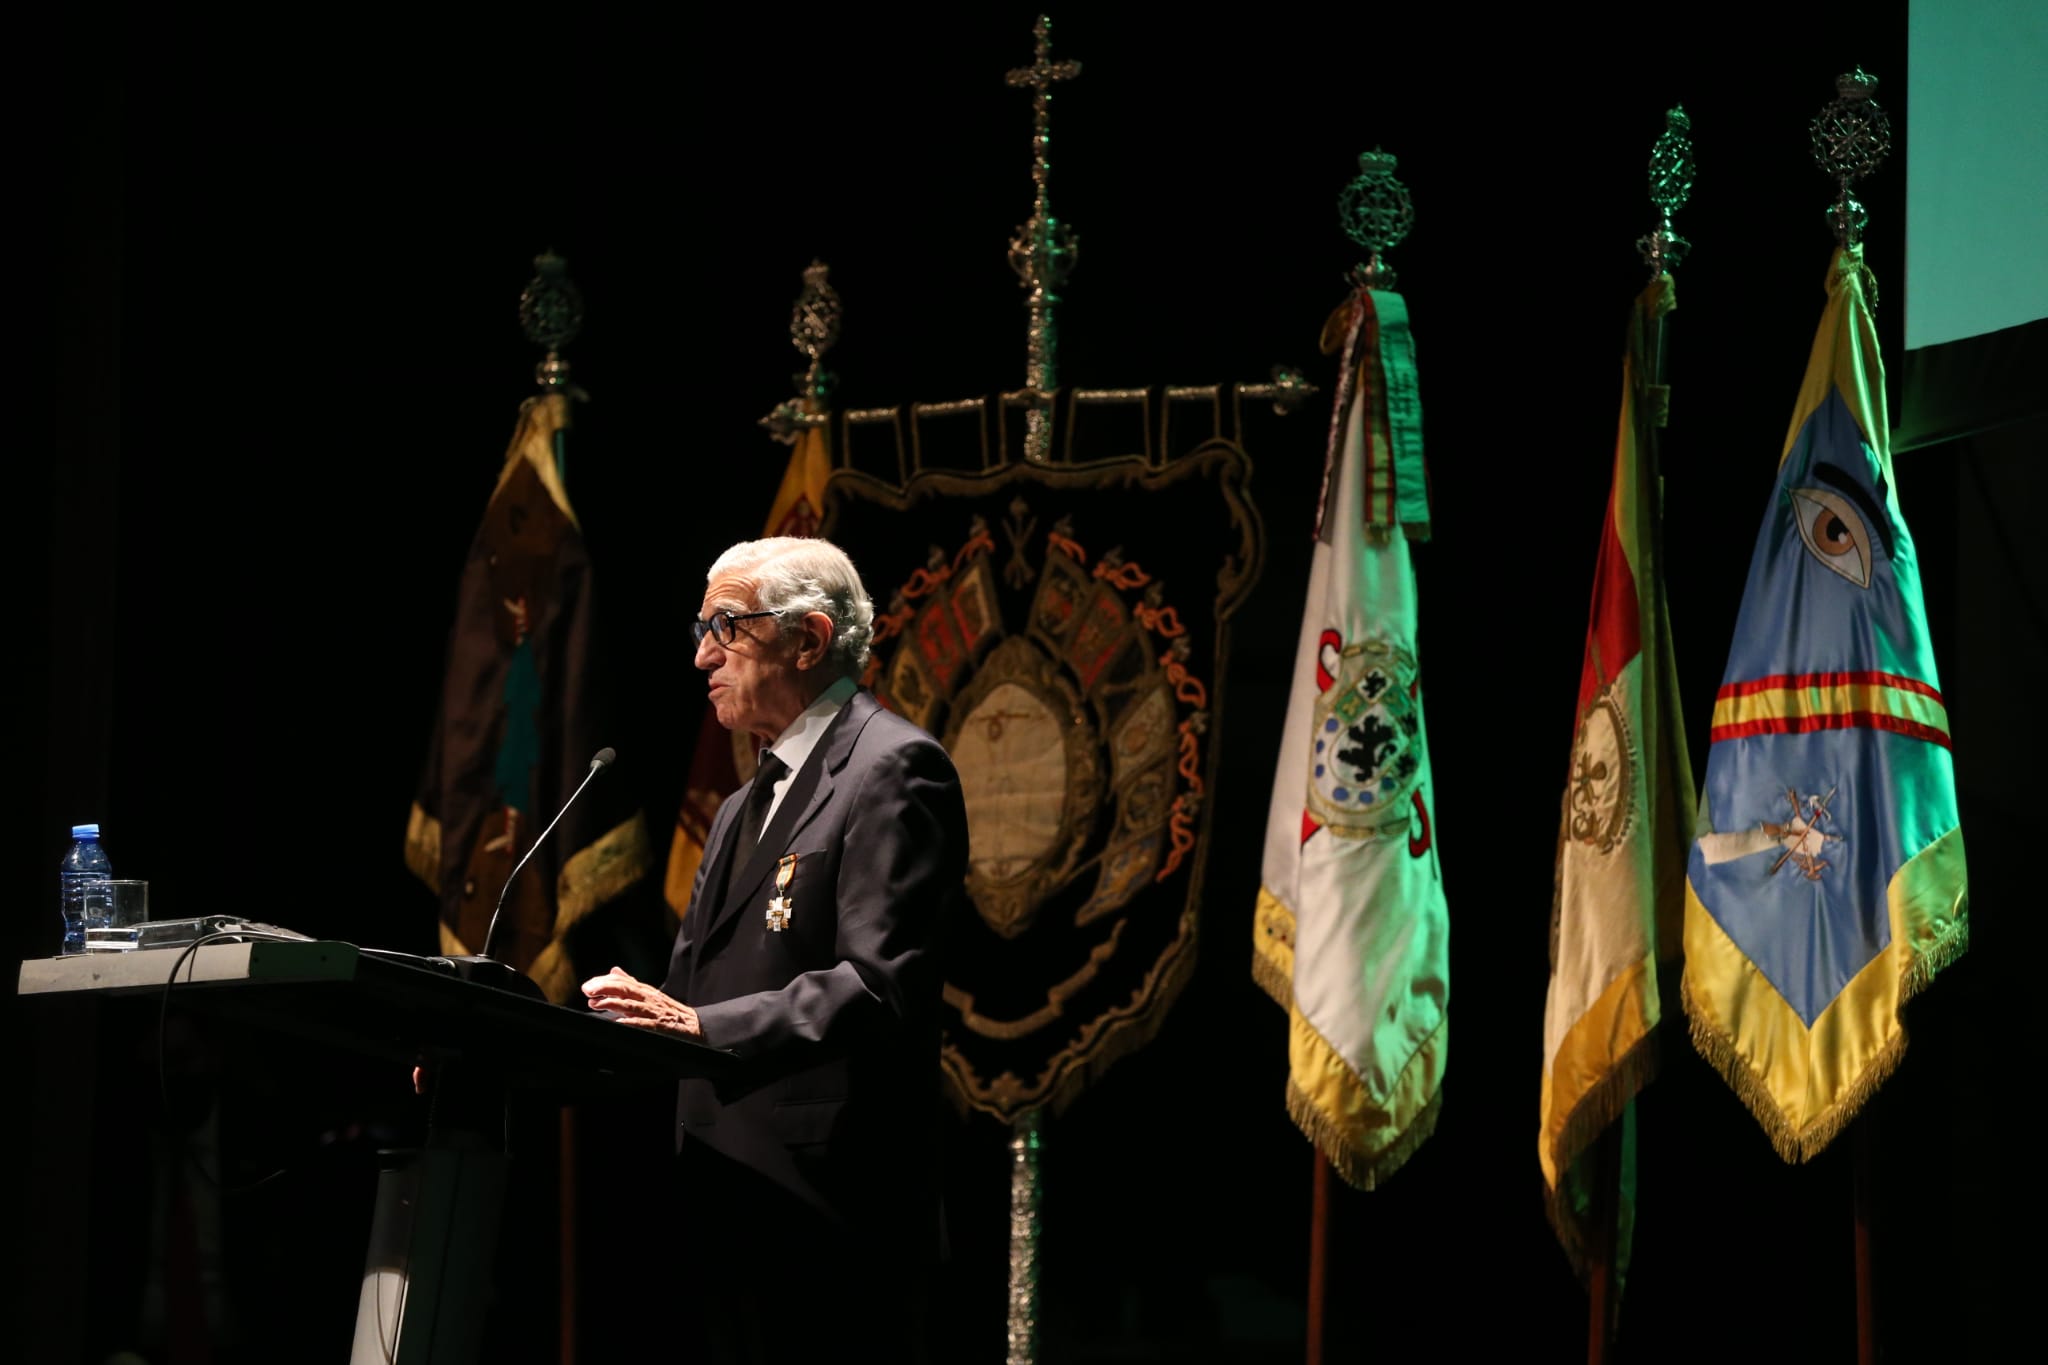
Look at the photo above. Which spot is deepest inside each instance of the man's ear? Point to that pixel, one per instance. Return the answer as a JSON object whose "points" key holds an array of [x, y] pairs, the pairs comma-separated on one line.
{"points": [[814, 639]]}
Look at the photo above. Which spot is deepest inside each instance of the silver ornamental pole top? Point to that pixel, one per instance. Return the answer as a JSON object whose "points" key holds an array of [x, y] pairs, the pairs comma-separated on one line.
{"points": [[1376, 213], [1671, 176], [813, 329], [1851, 136], [551, 312]]}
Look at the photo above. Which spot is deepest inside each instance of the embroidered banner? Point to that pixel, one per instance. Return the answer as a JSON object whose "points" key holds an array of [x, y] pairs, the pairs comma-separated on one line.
{"points": [[1059, 627]]}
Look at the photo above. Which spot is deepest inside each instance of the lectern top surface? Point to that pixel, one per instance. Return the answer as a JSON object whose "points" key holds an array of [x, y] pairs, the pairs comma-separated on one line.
{"points": [[383, 1004]]}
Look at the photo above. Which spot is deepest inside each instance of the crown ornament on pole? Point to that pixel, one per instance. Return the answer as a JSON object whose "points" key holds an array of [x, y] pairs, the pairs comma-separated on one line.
{"points": [[1043, 249], [551, 312], [1671, 175], [1376, 213], [813, 329], [1851, 136]]}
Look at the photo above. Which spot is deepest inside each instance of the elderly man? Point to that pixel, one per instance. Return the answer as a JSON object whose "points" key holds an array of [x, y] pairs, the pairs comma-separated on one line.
{"points": [[809, 1204]]}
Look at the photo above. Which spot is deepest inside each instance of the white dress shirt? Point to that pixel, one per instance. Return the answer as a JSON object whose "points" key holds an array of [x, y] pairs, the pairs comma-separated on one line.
{"points": [[794, 745]]}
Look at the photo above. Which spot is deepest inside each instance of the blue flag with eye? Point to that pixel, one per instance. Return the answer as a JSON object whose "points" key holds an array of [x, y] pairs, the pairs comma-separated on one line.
{"points": [[1827, 883]]}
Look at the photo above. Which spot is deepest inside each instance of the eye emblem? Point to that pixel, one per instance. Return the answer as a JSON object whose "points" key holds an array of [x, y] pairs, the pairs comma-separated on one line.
{"points": [[1834, 531]]}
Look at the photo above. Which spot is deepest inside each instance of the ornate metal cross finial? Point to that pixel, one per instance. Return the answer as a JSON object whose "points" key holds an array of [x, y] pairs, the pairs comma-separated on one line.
{"points": [[551, 311], [1043, 250], [1671, 172], [813, 328], [1851, 136], [1376, 214]]}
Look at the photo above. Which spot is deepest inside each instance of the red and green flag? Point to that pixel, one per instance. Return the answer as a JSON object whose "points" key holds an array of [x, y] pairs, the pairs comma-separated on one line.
{"points": [[1625, 827]]}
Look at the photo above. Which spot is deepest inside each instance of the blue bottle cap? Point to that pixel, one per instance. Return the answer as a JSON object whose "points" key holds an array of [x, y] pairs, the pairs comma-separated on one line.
{"points": [[85, 831]]}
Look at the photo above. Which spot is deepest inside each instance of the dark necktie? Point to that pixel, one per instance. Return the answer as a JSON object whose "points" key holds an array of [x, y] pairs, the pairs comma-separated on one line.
{"points": [[759, 796]]}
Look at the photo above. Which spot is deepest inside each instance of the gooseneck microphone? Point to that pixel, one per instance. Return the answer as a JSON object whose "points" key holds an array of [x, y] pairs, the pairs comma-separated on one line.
{"points": [[599, 761]]}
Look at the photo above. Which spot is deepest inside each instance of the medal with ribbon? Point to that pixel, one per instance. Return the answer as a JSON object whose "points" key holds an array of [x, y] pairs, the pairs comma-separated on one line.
{"points": [[778, 904]]}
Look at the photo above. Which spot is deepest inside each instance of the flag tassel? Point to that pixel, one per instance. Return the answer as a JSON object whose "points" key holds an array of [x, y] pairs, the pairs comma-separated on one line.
{"points": [[1945, 951], [1804, 1144], [1589, 1125], [1714, 1044], [1334, 1142]]}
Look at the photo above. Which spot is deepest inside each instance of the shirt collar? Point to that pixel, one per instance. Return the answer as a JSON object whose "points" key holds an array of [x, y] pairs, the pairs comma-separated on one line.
{"points": [[794, 744]]}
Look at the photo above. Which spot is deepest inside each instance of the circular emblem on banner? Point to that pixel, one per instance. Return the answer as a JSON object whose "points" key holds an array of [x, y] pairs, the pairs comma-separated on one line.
{"points": [[1367, 757], [1600, 801]]}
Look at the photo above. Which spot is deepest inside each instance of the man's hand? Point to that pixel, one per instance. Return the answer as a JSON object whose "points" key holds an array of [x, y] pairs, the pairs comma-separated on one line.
{"points": [[639, 1005]]}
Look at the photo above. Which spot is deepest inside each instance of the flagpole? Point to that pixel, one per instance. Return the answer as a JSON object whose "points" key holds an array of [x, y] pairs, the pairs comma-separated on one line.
{"points": [[1670, 184], [1865, 1203], [1319, 1256], [1603, 1301], [1850, 136], [551, 314]]}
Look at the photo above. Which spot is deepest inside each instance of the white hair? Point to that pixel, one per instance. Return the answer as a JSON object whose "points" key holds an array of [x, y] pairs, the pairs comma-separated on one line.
{"points": [[796, 575]]}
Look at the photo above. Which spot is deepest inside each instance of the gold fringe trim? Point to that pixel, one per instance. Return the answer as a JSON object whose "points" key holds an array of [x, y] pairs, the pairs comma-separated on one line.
{"points": [[1915, 973], [1273, 948], [602, 870], [1938, 955], [1804, 1144], [552, 973], [423, 847], [1602, 1105], [1792, 1145], [1334, 1141], [685, 855], [1271, 979], [1564, 1222]]}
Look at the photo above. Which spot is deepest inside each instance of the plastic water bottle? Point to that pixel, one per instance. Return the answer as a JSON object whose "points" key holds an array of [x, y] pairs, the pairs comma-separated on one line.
{"points": [[81, 878]]}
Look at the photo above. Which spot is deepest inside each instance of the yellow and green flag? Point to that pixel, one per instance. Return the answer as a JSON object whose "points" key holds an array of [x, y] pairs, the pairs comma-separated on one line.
{"points": [[1351, 933], [1626, 824], [1827, 884]]}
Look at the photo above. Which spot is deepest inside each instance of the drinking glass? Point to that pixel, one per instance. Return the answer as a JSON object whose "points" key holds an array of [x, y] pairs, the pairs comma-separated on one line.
{"points": [[115, 914]]}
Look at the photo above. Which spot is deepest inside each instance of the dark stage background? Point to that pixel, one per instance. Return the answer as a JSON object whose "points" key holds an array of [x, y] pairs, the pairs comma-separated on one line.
{"points": [[280, 273]]}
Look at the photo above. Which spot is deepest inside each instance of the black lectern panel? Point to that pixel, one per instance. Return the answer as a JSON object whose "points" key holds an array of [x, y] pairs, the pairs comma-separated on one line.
{"points": [[383, 1005]]}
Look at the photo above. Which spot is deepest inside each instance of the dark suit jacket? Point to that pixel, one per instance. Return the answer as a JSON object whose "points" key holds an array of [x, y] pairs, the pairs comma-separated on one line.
{"points": [[836, 1017]]}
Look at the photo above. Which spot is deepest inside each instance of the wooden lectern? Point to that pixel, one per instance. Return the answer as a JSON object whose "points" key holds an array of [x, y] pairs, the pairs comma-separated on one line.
{"points": [[432, 1240]]}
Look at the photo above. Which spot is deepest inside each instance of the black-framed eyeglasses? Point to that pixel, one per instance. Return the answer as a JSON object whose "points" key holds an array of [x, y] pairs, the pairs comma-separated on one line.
{"points": [[724, 625]]}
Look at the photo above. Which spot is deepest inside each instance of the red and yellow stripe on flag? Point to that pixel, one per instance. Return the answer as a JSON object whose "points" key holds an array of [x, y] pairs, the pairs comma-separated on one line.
{"points": [[799, 504], [1624, 829], [1796, 703]]}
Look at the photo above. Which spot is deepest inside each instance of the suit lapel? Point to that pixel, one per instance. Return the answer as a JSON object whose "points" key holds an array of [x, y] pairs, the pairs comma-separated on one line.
{"points": [[704, 912], [808, 794]]}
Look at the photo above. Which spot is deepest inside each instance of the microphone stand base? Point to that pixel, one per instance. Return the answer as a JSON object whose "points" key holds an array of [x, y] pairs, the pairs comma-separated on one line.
{"points": [[488, 971]]}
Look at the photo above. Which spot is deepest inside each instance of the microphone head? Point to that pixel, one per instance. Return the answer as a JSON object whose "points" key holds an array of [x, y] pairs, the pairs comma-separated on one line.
{"points": [[603, 757]]}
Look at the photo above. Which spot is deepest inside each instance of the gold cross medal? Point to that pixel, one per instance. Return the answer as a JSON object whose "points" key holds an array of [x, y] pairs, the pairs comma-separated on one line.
{"points": [[778, 904]]}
